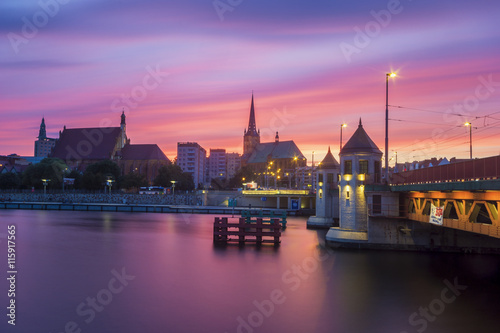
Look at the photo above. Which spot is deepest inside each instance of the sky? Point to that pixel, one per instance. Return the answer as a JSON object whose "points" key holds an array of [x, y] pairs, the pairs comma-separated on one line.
{"points": [[185, 70]]}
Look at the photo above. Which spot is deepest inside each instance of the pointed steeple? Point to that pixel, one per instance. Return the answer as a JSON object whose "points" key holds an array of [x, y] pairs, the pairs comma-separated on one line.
{"points": [[360, 142], [122, 118], [252, 127], [329, 162], [42, 134]]}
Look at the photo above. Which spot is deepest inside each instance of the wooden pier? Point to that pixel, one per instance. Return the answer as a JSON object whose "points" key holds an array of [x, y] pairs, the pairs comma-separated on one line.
{"points": [[266, 215], [258, 232]]}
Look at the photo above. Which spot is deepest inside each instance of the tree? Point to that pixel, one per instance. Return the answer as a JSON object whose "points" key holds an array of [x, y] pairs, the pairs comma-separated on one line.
{"points": [[48, 168], [133, 180], [9, 181], [96, 174], [243, 175], [173, 172]]}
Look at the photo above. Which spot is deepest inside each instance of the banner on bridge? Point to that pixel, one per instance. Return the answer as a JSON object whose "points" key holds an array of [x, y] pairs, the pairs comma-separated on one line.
{"points": [[436, 215]]}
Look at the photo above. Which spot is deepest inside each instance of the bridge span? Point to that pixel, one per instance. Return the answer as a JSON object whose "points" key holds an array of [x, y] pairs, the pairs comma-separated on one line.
{"points": [[468, 191]]}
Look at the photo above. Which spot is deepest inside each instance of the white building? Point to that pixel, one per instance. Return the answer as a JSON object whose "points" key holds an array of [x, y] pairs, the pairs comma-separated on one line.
{"points": [[191, 157], [360, 164], [327, 193]]}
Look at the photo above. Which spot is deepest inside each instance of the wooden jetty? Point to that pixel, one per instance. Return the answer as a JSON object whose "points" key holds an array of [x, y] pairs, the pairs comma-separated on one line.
{"points": [[266, 215], [258, 232]]}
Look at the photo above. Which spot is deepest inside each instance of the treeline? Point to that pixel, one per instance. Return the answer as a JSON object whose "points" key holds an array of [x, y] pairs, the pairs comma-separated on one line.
{"points": [[94, 178]]}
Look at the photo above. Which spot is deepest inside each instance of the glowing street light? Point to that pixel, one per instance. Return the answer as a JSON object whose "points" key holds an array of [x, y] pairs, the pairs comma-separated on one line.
{"points": [[45, 183], [341, 127], [173, 186], [387, 76], [469, 124]]}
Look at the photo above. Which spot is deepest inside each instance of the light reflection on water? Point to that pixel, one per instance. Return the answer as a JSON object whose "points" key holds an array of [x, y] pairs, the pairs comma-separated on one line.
{"points": [[183, 283]]}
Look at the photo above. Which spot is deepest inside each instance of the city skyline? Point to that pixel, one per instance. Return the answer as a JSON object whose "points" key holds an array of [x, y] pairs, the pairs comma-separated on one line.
{"points": [[312, 66]]}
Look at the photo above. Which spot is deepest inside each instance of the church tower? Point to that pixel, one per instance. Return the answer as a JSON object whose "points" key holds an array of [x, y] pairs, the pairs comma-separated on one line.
{"points": [[42, 133], [123, 127], [251, 137]]}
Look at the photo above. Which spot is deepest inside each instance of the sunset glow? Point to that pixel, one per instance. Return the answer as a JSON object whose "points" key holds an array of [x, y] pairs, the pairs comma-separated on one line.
{"points": [[183, 74]]}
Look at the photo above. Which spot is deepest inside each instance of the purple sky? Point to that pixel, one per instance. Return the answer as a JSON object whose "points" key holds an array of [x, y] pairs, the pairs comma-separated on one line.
{"points": [[311, 64]]}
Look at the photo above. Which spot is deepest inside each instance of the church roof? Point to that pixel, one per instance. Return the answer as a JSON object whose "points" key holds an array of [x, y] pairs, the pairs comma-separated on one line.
{"points": [[87, 143], [275, 150], [360, 142], [143, 152], [329, 162]]}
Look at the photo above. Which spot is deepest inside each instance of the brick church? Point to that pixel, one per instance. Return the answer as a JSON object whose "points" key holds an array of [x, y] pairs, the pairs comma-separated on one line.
{"points": [[80, 147]]}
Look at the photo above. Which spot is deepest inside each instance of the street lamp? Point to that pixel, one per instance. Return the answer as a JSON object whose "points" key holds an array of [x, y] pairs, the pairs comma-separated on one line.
{"points": [[341, 127], [312, 172], [387, 75], [45, 183], [468, 124], [173, 186], [295, 171], [109, 182]]}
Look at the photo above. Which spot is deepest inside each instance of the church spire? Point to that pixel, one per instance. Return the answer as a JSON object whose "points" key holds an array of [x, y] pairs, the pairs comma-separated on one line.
{"points": [[42, 134], [252, 127], [122, 118]]}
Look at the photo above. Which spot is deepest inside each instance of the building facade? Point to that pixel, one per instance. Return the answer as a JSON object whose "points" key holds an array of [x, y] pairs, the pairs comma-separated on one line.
{"points": [[233, 161], [217, 165], [191, 157], [43, 144]]}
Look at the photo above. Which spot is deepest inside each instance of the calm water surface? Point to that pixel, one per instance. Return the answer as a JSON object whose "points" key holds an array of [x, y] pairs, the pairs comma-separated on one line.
{"points": [[121, 272]]}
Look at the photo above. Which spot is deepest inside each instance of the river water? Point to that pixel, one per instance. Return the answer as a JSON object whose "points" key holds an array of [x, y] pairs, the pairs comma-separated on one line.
{"points": [[131, 272]]}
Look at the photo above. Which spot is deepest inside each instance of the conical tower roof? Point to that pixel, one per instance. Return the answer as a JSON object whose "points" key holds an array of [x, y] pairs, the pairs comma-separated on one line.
{"points": [[329, 162], [360, 142], [252, 127]]}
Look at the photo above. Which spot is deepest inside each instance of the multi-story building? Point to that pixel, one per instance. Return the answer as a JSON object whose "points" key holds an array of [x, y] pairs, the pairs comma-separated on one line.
{"points": [[44, 145], [191, 157], [217, 165], [233, 162]]}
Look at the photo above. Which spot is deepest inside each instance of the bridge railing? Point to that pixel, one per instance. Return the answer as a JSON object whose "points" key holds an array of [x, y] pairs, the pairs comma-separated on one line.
{"points": [[478, 169]]}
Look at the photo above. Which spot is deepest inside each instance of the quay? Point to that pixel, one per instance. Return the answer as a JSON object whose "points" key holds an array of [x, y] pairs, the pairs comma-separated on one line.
{"points": [[145, 208]]}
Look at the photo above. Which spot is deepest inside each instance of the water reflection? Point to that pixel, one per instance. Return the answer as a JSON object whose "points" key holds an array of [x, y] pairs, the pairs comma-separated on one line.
{"points": [[184, 283]]}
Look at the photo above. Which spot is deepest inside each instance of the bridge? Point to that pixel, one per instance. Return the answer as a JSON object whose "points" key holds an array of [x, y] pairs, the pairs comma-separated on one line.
{"points": [[469, 192]]}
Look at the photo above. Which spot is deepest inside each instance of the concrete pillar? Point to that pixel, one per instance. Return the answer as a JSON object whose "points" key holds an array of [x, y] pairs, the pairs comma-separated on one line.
{"points": [[278, 202]]}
